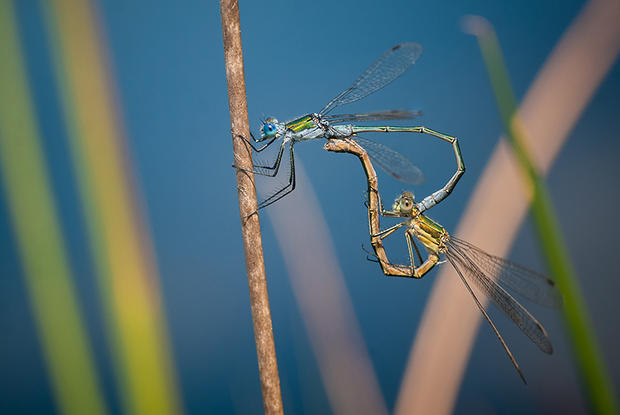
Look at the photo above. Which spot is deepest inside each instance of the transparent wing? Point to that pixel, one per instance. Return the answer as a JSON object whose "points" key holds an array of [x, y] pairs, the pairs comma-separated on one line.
{"points": [[523, 281], [498, 296], [374, 116], [458, 267], [391, 161], [388, 67]]}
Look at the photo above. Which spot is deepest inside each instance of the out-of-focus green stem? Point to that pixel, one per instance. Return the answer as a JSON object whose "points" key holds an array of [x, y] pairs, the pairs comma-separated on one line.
{"points": [[585, 347], [123, 258], [64, 342]]}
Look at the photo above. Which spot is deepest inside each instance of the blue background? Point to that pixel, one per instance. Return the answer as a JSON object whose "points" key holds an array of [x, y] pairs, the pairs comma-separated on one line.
{"points": [[167, 58]]}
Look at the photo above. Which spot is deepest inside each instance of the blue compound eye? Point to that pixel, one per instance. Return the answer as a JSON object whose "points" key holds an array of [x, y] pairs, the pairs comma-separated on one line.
{"points": [[269, 130]]}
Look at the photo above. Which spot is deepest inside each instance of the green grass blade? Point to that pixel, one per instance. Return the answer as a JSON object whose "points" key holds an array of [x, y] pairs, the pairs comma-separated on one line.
{"points": [[586, 351], [40, 243], [121, 245]]}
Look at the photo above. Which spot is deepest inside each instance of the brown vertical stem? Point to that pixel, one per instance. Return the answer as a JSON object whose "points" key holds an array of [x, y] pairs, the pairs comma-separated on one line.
{"points": [[250, 225]]}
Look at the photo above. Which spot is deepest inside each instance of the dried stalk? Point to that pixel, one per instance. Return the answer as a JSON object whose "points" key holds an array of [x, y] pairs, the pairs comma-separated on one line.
{"points": [[348, 145], [250, 225]]}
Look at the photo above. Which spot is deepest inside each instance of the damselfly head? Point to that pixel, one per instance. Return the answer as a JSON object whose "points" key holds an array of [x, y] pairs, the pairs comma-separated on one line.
{"points": [[269, 128], [404, 203]]}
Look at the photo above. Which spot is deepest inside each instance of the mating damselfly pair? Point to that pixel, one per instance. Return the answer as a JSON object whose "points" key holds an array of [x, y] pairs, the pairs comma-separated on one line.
{"points": [[490, 275]]}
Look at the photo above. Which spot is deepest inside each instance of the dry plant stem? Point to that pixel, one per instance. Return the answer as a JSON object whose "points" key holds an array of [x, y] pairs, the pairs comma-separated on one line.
{"points": [[250, 225], [350, 146]]}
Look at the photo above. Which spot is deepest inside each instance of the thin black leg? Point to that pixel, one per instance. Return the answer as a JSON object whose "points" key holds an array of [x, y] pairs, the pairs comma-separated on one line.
{"points": [[286, 189], [259, 149], [275, 167]]}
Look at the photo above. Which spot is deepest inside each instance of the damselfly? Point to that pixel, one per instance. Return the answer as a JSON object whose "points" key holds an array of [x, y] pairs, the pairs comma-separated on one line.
{"points": [[490, 275], [387, 68]]}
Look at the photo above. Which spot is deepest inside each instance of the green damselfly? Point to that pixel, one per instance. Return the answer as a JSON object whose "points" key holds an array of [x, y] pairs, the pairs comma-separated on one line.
{"points": [[490, 275], [318, 125]]}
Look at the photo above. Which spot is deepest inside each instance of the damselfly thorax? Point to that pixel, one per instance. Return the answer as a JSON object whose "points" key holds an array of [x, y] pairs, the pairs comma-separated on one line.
{"points": [[431, 234]]}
